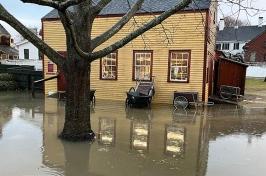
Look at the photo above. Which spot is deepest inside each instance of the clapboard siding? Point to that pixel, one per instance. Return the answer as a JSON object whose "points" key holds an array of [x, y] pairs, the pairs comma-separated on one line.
{"points": [[186, 31]]}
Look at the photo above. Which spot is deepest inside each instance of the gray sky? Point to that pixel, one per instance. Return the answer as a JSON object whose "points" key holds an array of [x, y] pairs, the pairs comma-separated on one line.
{"points": [[30, 15]]}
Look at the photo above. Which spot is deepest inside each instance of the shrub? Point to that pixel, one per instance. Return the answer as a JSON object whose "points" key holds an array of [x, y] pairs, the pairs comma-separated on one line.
{"points": [[6, 77], [8, 85]]}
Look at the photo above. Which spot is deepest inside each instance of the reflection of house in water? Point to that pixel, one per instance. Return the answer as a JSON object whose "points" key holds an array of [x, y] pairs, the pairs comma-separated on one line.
{"points": [[174, 140], [3, 121], [139, 135], [53, 149], [107, 131], [19, 106], [140, 126], [235, 121], [155, 133], [6, 112]]}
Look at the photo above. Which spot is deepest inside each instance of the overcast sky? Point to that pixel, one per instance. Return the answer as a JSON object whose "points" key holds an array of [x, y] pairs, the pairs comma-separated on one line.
{"points": [[30, 15]]}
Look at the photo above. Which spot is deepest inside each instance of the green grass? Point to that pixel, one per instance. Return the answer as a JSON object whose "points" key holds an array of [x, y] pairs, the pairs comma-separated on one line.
{"points": [[255, 84]]}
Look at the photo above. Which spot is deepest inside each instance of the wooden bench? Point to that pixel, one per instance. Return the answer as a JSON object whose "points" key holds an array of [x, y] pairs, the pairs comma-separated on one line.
{"points": [[230, 93]]}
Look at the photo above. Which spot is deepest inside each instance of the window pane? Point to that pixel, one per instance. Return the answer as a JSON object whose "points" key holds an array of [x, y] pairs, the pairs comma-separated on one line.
{"points": [[142, 66], [26, 53], [109, 66], [179, 66]]}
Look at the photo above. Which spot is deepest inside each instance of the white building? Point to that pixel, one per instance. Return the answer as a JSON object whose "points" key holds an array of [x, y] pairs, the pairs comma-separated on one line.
{"points": [[28, 53], [232, 39], [27, 50]]}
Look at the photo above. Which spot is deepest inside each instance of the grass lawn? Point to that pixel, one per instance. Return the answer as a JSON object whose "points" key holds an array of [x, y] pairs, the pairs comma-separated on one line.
{"points": [[255, 84]]}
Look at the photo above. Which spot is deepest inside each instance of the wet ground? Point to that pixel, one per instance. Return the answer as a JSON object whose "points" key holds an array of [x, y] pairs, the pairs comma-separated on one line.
{"points": [[215, 141]]}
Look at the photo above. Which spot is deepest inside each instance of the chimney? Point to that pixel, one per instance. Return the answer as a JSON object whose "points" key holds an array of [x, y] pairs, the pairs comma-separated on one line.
{"points": [[260, 22], [221, 24]]}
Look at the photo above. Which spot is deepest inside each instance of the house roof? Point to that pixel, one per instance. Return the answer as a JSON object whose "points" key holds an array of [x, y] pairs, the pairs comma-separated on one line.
{"points": [[242, 33], [254, 40], [9, 50], [238, 59], [21, 42], [120, 7], [3, 31]]}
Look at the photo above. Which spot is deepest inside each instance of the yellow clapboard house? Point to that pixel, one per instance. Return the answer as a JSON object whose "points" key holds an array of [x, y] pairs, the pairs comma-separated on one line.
{"points": [[178, 53]]}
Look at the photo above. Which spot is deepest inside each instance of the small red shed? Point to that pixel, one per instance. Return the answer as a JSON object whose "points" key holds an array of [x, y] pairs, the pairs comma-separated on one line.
{"points": [[228, 70]]}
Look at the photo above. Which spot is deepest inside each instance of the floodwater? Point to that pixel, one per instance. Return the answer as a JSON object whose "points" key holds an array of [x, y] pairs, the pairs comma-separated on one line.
{"points": [[215, 141]]}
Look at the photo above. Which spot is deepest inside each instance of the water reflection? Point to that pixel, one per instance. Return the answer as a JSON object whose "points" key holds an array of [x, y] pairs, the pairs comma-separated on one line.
{"points": [[77, 158], [174, 140], [140, 135], [216, 141], [107, 131]]}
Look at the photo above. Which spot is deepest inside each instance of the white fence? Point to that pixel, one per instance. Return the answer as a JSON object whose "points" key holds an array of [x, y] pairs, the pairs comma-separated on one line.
{"points": [[36, 63], [257, 71]]}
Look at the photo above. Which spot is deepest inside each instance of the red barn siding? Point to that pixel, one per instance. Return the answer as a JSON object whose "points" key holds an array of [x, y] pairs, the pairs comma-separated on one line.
{"points": [[231, 74], [258, 46]]}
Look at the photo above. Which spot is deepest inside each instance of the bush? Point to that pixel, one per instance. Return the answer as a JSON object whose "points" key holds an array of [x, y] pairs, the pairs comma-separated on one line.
{"points": [[8, 85], [6, 77]]}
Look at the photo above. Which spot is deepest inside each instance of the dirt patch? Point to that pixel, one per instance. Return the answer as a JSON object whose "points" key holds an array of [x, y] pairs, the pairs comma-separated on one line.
{"points": [[255, 98]]}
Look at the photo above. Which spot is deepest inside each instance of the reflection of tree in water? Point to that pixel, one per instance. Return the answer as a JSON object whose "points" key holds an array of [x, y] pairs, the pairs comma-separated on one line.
{"points": [[77, 156]]}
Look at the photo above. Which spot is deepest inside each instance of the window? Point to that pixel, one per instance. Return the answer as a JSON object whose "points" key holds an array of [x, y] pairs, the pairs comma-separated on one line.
{"points": [[50, 67], [225, 46], [108, 67], [26, 54], [4, 56], [218, 46], [236, 46], [179, 63], [142, 65], [253, 57]]}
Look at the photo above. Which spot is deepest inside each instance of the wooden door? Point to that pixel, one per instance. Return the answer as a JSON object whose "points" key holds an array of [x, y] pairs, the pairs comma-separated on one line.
{"points": [[61, 82]]}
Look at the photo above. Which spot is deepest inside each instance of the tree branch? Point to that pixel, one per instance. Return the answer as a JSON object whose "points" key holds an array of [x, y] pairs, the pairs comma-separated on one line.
{"points": [[35, 40], [67, 23], [59, 5], [50, 3], [141, 30], [117, 27], [99, 7]]}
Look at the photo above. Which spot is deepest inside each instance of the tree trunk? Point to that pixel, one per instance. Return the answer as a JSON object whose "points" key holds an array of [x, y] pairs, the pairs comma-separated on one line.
{"points": [[77, 125]]}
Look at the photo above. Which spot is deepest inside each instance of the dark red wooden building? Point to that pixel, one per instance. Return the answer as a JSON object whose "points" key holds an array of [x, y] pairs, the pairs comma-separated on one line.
{"points": [[255, 50], [228, 70]]}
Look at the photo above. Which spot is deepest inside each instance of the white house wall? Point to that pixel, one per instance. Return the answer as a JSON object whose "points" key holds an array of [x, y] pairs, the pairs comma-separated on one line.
{"points": [[33, 51], [231, 46]]}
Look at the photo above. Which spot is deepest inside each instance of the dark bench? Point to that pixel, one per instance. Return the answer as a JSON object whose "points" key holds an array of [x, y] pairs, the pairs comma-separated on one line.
{"points": [[230, 93]]}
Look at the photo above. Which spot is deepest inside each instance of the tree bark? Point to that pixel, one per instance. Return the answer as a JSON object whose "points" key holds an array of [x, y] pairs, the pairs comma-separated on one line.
{"points": [[77, 125]]}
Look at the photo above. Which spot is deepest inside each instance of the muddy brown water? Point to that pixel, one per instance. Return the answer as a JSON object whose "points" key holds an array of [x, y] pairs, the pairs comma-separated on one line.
{"points": [[215, 141]]}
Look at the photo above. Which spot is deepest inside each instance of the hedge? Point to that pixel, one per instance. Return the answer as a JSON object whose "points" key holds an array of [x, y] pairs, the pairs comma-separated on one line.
{"points": [[6, 77], [8, 85]]}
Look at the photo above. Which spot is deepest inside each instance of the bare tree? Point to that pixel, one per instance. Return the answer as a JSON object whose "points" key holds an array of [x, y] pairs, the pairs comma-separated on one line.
{"points": [[231, 22], [76, 66]]}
